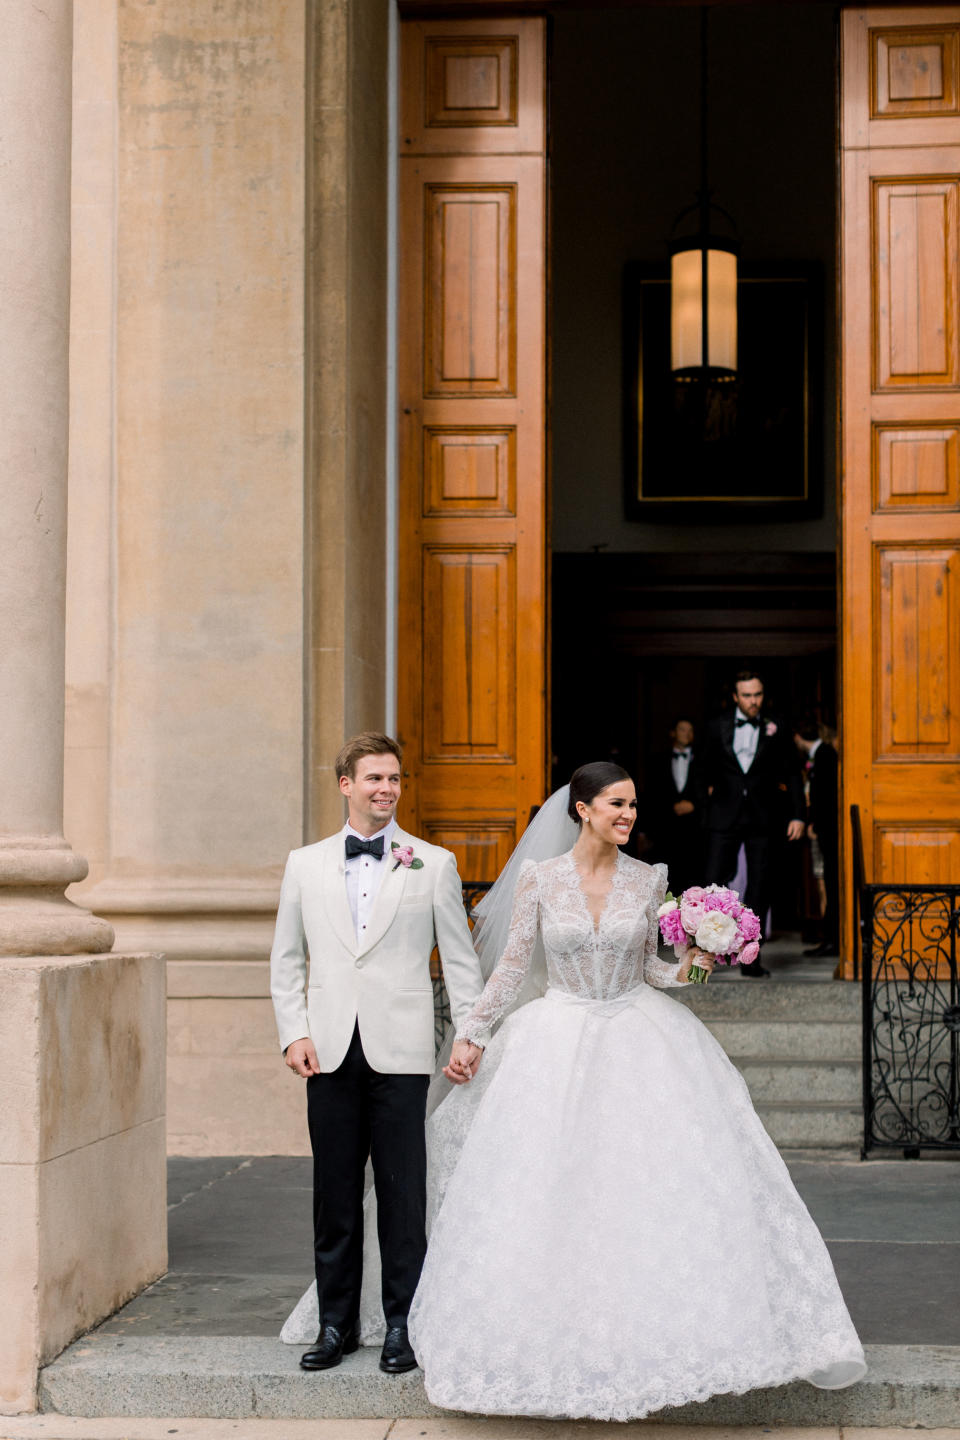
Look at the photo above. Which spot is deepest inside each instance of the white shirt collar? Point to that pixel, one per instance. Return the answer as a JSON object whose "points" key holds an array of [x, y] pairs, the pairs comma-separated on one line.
{"points": [[814, 748]]}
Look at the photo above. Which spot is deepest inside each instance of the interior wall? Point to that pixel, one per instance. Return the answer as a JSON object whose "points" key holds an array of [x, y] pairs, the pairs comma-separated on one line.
{"points": [[625, 161]]}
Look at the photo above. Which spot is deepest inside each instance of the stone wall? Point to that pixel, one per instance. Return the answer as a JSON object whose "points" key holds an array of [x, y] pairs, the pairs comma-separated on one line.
{"points": [[226, 495]]}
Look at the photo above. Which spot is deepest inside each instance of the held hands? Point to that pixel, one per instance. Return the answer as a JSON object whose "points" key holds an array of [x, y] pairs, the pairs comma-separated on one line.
{"points": [[693, 955], [302, 1057], [683, 807], [464, 1062]]}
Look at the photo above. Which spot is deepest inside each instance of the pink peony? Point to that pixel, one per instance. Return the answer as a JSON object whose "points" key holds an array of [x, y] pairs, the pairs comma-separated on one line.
{"points": [[403, 855], [771, 728], [671, 928], [749, 953], [726, 901], [749, 925]]}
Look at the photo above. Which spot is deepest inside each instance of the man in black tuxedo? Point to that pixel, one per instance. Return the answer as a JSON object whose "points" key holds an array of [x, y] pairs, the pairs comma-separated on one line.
{"points": [[675, 815], [823, 825], [748, 779]]}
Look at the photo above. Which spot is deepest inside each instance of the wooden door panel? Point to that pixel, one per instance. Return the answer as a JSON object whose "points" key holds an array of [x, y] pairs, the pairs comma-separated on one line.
{"points": [[472, 87], [916, 467], [470, 290], [471, 365], [900, 589], [915, 266]]}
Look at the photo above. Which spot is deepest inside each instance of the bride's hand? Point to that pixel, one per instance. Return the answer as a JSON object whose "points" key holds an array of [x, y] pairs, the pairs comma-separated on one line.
{"points": [[694, 956], [464, 1060]]}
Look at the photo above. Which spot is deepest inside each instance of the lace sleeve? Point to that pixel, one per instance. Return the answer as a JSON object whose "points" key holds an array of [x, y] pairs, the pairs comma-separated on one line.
{"points": [[658, 973], [505, 982]]}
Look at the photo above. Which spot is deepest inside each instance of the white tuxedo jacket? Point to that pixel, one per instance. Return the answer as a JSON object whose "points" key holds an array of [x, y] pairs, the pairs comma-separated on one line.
{"points": [[382, 982]]}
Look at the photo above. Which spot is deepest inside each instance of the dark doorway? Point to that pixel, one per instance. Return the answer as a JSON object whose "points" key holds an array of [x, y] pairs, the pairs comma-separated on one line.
{"points": [[642, 640]]}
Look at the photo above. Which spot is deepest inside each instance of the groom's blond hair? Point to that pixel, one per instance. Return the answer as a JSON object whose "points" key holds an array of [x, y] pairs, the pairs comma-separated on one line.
{"points": [[368, 742]]}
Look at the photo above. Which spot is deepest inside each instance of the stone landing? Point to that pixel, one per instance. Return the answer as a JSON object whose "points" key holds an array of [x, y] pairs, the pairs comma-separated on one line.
{"points": [[252, 1376]]}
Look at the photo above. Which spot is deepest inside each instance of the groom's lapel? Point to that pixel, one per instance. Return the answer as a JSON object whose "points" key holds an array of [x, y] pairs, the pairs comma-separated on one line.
{"points": [[333, 881], [388, 896]]}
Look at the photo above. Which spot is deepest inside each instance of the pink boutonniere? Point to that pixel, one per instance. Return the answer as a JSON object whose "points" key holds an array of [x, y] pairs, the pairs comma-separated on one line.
{"points": [[771, 729], [403, 855]]}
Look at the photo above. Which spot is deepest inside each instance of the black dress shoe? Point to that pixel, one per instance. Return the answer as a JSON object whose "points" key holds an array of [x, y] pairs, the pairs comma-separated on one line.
{"points": [[755, 970], [826, 947], [332, 1344], [397, 1353]]}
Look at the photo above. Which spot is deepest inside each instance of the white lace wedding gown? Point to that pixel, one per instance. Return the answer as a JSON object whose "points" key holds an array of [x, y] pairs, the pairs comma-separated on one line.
{"points": [[613, 1230]]}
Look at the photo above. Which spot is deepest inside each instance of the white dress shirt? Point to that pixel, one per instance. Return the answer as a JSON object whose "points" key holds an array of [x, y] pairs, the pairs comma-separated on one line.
{"points": [[680, 765], [813, 749], [745, 739], [364, 876]]}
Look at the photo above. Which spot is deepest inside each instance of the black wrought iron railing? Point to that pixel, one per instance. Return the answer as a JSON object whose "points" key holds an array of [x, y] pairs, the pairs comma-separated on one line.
{"points": [[473, 891], [909, 936]]}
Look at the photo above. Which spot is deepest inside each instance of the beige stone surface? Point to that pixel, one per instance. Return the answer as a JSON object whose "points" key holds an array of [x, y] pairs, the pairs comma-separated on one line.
{"points": [[346, 388], [82, 1045], [223, 1104], [103, 1226], [18, 1286], [218, 979], [82, 1152], [68, 1427], [207, 696], [91, 461]]}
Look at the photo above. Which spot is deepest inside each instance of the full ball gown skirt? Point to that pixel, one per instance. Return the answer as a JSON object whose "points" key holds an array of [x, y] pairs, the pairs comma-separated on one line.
{"points": [[613, 1229]]}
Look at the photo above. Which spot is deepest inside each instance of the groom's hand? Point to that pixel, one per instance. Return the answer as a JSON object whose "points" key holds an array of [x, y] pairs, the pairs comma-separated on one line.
{"points": [[464, 1061], [302, 1057]]}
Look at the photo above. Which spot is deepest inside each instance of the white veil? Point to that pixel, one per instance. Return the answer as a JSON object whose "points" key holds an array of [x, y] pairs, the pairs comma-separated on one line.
{"points": [[550, 833]]}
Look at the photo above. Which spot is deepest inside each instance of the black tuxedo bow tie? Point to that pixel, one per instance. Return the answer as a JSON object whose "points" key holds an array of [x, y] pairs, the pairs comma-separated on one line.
{"points": [[681, 754], [355, 846], [745, 720]]}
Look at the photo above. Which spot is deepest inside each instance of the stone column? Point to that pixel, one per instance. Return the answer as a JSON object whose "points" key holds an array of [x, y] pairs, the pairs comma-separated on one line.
{"points": [[82, 1165], [36, 863]]}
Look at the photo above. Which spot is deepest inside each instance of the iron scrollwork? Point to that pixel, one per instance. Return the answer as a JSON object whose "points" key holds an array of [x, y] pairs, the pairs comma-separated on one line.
{"points": [[911, 1013]]}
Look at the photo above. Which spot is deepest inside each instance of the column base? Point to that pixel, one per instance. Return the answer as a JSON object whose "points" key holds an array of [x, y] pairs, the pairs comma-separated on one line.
{"points": [[36, 918], [82, 1152]]}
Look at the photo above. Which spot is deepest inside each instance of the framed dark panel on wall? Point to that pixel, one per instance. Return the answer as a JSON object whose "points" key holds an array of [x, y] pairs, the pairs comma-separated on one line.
{"points": [[753, 449]]}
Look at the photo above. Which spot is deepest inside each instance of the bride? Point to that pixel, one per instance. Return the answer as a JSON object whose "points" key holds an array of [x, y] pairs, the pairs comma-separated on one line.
{"points": [[613, 1231]]}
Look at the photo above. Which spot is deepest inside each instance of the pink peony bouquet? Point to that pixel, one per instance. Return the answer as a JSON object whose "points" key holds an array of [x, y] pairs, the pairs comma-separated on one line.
{"points": [[715, 920]]}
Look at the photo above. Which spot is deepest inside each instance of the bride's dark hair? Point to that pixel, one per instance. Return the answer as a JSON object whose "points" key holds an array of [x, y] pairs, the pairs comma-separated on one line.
{"points": [[587, 782]]}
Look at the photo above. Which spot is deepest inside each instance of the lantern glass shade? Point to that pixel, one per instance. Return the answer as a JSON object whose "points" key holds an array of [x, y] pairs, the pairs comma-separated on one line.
{"points": [[686, 323]]}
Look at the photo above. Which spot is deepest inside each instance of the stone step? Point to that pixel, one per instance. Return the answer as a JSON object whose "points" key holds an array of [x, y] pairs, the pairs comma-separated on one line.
{"points": [[811, 1124], [772, 1078], [732, 998], [236, 1377], [788, 1039]]}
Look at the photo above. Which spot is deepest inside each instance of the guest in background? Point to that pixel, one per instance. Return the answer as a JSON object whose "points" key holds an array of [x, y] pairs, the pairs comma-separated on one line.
{"points": [[749, 783], [675, 815], [822, 766]]}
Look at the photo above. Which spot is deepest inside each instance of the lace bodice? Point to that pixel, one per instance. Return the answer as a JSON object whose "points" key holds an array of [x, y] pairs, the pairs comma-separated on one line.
{"points": [[599, 962]]}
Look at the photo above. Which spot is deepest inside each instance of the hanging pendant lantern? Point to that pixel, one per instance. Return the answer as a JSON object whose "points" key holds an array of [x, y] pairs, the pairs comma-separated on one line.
{"points": [[703, 273]]}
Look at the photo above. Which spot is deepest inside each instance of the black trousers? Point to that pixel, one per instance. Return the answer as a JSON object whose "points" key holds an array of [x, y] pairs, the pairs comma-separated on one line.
{"points": [[723, 847], [355, 1112]]}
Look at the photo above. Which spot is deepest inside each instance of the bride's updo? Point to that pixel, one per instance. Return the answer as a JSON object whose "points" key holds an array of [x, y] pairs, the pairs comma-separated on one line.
{"points": [[587, 782]]}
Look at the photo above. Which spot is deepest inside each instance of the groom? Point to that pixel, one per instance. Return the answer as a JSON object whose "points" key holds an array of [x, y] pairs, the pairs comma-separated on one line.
{"points": [[748, 777], [369, 903]]}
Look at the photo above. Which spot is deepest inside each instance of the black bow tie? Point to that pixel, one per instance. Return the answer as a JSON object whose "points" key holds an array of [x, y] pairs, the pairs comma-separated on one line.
{"points": [[681, 754], [356, 846], [745, 720]]}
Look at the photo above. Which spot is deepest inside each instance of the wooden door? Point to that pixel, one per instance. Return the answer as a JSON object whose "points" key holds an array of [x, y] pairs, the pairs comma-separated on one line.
{"points": [[900, 585], [471, 368]]}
